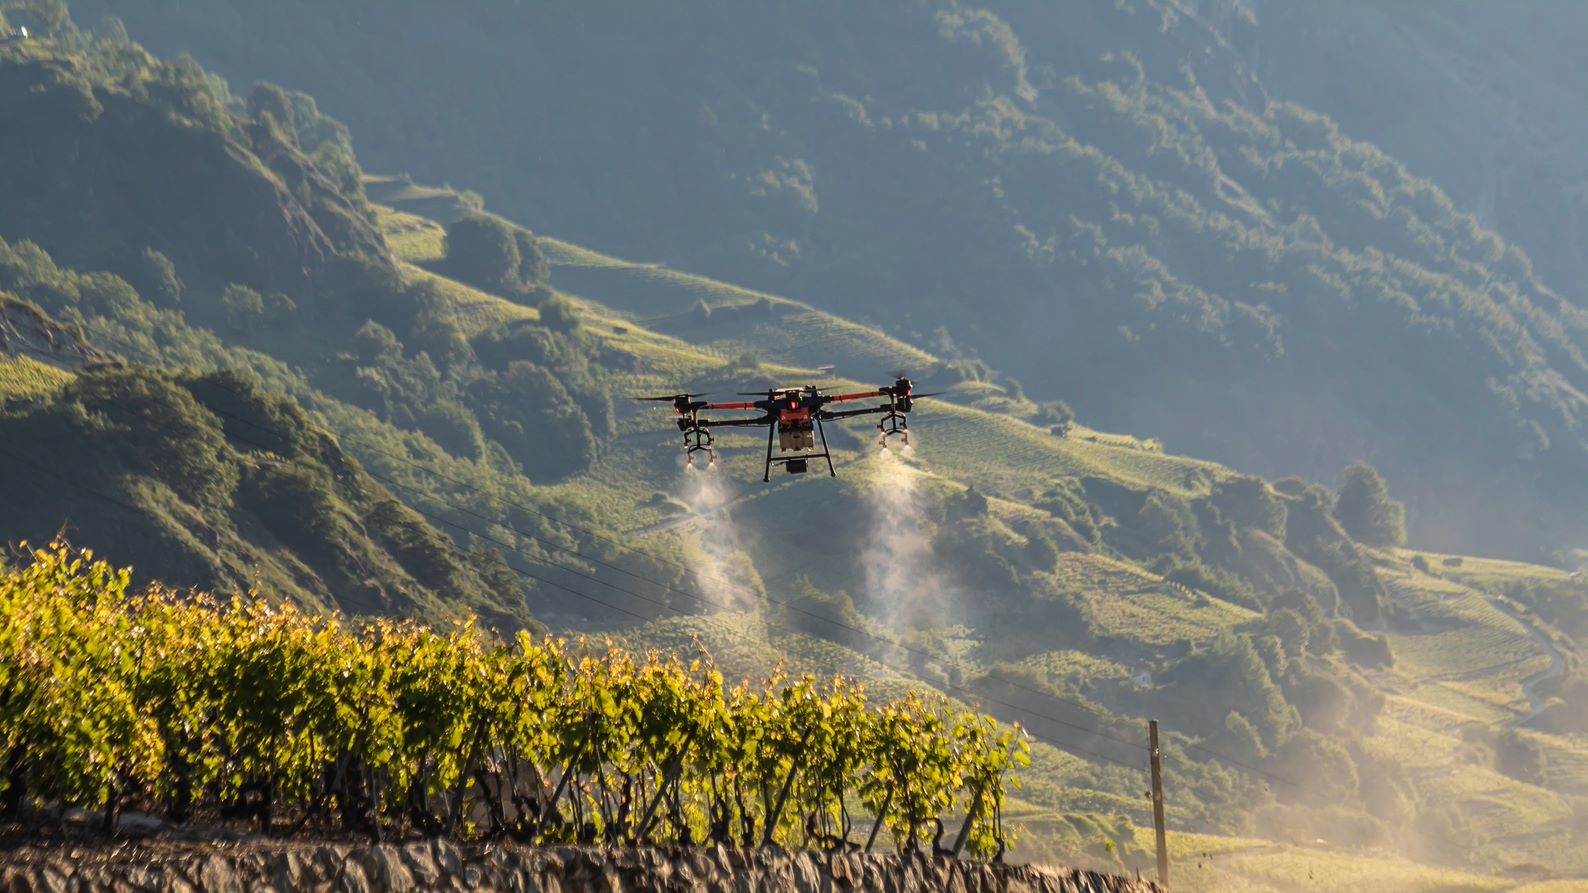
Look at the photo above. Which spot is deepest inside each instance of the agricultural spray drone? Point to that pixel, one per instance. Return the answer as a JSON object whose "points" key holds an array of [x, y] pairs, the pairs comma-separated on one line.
{"points": [[794, 418]]}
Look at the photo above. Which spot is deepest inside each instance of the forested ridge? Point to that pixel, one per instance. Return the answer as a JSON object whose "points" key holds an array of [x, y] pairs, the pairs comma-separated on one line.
{"points": [[1108, 198], [272, 269], [369, 393]]}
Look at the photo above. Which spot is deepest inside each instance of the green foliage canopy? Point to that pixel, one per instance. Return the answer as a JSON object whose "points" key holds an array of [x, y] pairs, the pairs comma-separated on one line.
{"points": [[1365, 509]]}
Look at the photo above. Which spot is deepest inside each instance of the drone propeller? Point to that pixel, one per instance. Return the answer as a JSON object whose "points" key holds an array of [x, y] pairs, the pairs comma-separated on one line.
{"points": [[772, 392], [672, 398]]}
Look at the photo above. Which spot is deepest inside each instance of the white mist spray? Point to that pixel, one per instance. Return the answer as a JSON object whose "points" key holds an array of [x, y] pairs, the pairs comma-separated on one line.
{"points": [[723, 575], [897, 556]]}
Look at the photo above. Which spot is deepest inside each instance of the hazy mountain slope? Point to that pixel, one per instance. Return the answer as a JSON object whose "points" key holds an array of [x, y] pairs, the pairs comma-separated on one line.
{"points": [[1102, 197], [109, 163], [1452, 667], [1313, 685], [99, 164], [1477, 97]]}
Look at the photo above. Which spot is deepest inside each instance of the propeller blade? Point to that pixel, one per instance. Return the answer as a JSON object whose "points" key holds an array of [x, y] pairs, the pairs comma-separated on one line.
{"points": [[671, 398], [773, 392], [932, 394]]}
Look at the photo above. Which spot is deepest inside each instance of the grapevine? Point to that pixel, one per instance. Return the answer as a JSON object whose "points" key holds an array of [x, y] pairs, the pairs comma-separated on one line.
{"points": [[198, 709]]}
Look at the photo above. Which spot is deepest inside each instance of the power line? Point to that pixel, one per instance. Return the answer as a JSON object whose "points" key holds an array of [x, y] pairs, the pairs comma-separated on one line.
{"points": [[664, 605], [786, 605], [866, 634], [97, 494], [583, 595], [709, 603]]}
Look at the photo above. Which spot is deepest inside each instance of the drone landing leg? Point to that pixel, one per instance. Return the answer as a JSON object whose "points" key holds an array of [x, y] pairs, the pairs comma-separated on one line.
{"points": [[825, 451], [771, 432]]}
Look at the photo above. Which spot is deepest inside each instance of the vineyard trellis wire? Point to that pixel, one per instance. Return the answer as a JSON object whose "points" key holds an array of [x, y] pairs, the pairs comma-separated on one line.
{"points": [[192, 707]]}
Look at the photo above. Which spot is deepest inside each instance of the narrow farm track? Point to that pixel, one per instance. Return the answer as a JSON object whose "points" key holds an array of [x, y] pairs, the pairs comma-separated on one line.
{"points": [[1557, 661]]}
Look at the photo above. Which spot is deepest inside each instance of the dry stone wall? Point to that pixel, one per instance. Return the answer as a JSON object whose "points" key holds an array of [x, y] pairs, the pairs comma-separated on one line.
{"points": [[442, 866]]}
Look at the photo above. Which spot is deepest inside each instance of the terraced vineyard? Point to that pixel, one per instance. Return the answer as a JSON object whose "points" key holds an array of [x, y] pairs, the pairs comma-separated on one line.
{"points": [[1465, 666], [1461, 653], [1133, 604], [457, 446]]}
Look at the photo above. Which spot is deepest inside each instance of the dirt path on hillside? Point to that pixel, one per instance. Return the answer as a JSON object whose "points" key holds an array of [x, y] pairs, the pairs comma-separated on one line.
{"points": [[1557, 661]]}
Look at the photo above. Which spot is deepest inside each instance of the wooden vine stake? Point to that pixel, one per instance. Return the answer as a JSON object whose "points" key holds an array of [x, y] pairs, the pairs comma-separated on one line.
{"points": [[1157, 803]]}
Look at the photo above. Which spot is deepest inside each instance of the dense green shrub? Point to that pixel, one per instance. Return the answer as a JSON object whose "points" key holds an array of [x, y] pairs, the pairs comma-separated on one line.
{"points": [[243, 309], [1365, 509], [1248, 502], [482, 249], [297, 504], [154, 277]]}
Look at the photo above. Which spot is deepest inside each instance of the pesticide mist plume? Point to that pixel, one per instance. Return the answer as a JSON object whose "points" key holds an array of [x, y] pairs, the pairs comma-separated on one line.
{"points": [[901, 580], [722, 573]]}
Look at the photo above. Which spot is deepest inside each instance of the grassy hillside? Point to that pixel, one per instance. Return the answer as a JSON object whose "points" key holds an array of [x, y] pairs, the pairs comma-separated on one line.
{"points": [[1316, 682], [1111, 202], [1459, 667], [206, 480]]}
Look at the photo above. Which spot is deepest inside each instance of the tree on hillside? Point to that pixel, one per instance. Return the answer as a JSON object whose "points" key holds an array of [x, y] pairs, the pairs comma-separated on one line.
{"points": [[154, 277], [1366, 511], [1166, 526], [269, 99], [559, 315], [533, 268], [156, 426], [1248, 502], [482, 250], [243, 307], [1228, 675]]}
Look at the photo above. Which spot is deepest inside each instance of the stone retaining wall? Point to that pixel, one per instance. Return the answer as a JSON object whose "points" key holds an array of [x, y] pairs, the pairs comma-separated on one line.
{"points": [[152, 867]]}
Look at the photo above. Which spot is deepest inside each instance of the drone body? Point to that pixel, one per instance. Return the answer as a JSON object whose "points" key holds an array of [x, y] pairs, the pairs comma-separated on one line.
{"points": [[793, 417]]}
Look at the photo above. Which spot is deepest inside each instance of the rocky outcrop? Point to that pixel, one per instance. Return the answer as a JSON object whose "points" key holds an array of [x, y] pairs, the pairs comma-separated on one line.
{"points": [[25, 330], [439, 865]]}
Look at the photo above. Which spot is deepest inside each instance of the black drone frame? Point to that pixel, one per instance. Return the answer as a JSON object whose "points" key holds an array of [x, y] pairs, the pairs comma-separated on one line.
{"points": [[698, 438]]}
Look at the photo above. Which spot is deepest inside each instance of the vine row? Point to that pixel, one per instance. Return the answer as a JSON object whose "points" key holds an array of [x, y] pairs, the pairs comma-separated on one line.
{"points": [[200, 709]]}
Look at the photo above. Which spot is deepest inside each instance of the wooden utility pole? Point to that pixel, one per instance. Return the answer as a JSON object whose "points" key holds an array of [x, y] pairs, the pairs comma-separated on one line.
{"points": [[1157, 803]]}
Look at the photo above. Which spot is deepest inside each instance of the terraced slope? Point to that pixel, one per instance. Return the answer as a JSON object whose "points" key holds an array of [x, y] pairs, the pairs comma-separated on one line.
{"points": [[1464, 660]]}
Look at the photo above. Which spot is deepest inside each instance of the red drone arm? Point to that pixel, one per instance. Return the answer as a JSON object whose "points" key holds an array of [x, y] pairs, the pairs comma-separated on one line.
{"points": [[840, 398], [729, 406]]}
